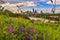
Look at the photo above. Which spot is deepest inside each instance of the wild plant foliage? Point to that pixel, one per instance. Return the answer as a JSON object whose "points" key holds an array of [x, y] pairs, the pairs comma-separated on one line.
{"points": [[17, 27]]}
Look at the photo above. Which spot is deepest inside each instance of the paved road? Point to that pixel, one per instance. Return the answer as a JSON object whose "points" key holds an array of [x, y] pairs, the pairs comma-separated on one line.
{"points": [[42, 19]]}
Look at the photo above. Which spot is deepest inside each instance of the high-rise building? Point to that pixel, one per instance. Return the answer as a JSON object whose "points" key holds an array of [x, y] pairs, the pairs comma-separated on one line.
{"points": [[33, 10]]}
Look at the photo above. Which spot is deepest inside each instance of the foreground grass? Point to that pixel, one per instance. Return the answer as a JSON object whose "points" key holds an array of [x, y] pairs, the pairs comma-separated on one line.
{"points": [[49, 29], [44, 31]]}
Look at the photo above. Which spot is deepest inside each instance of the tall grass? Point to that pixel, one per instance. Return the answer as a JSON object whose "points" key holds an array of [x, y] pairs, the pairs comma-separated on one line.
{"points": [[19, 27]]}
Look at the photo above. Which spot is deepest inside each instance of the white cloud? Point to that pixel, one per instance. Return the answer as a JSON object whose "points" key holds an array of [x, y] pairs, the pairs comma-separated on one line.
{"points": [[23, 4], [16, 1], [42, 0], [29, 3], [57, 2], [49, 2]]}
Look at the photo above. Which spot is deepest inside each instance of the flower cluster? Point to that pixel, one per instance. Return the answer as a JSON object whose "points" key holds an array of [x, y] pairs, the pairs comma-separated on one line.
{"points": [[10, 28], [24, 33]]}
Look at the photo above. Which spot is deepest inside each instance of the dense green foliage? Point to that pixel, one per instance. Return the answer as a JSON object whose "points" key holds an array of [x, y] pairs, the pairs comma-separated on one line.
{"points": [[17, 27]]}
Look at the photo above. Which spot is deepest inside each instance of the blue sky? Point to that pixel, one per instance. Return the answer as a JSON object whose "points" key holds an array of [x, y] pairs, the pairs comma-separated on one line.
{"points": [[39, 3]]}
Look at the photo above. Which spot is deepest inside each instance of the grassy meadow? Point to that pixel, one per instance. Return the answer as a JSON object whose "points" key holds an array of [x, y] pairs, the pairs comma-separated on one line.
{"points": [[19, 27]]}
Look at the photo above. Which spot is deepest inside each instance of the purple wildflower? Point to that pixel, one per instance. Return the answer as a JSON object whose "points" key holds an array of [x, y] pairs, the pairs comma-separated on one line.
{"points": [[37, 37], [30, 29], [10, 29], [21, 29], [27, 37]]}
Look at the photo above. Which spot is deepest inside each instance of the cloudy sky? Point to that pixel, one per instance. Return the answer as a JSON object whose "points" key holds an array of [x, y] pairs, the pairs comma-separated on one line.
{"points": [[36, 3]]}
